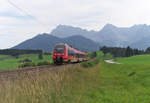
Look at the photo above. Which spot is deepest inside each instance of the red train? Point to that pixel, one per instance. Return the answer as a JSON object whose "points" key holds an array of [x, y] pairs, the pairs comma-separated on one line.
{"points": [[63, 53]]}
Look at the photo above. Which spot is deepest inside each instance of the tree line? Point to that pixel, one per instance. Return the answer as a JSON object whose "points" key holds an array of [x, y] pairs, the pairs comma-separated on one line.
{"points": [[123, 52], [17, 52]]}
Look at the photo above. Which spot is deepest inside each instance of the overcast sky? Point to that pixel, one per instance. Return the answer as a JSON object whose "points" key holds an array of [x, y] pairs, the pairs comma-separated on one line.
{"points": [[24, 19]]}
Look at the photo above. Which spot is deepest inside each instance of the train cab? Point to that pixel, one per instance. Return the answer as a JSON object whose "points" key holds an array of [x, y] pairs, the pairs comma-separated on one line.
{"points": [[63, 53], [59, 53]]}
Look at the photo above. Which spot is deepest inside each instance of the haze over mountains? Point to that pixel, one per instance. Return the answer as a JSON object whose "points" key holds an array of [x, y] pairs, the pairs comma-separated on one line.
{"points": [[111, 35], [137, 36]]}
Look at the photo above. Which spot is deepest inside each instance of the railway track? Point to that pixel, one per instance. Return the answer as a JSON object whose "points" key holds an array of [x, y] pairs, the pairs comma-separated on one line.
{"points": [[30, 71]]}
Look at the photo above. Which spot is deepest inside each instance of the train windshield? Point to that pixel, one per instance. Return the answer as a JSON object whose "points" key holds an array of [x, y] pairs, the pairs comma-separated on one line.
{"points": [[59, 48]]}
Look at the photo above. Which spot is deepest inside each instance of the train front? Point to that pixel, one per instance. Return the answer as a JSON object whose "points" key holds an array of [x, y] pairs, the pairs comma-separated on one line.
{"points": [[59, 53]]}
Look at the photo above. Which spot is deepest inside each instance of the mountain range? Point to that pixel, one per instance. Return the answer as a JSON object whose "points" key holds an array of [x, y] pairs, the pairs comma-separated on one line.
{"points": [[46, 42], [137, 36]]}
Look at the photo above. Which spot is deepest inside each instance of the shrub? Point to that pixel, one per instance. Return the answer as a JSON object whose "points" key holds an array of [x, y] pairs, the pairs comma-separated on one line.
{"points": [[90, 63], [86, 64], [40, 56], [96, 61], [100, 54], [92, 55], [27, 65], [97, 54], [108, 56], [43, 63]]}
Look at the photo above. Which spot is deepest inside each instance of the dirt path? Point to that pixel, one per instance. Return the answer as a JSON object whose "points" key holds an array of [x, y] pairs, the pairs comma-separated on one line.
{"points": [[111, 61]]}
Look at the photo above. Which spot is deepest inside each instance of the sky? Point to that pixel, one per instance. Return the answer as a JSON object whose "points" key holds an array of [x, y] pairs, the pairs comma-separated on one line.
{"points": [[23, 19]]}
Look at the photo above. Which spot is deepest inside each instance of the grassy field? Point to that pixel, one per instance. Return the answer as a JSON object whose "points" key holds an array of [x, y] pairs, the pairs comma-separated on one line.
{"points": [[128, 82], [10, 62], [141, 59], [4, 56], [123, 84]]}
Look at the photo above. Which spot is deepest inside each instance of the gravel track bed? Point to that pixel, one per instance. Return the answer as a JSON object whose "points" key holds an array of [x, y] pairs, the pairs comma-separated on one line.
{"points": [[30, 71]]}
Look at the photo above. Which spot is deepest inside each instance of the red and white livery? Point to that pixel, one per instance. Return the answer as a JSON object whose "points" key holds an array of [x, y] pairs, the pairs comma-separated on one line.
{"points": [[63, 53]]}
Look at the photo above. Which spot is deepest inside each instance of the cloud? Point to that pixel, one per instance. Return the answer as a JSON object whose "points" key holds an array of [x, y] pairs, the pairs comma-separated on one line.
{"points": [[16, 16], [37, 16]]}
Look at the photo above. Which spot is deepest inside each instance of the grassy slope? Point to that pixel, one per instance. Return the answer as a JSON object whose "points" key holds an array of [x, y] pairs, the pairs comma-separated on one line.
{"points": [[128, 82], [141, 59], [13, 63], [124, 83]]}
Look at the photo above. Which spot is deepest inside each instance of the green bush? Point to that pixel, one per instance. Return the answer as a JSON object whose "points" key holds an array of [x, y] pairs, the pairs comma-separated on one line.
{"points": [[100, 54], [43, 63], [34, 64], [90, 63], [86, 64], [27, 65], [96, 61], [96, 54], [108, 56]]}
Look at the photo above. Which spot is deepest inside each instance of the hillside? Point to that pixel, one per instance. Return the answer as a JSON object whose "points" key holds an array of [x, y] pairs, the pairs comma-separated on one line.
{"points": [[47, 42], [81, 43]]}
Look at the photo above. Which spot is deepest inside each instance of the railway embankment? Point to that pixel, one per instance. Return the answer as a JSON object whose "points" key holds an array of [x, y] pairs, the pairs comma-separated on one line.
{"points": [[49, 84], [31, 71]]}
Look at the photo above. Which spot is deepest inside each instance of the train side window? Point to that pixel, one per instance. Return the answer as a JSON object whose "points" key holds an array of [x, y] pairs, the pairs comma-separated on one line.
{"points": [[77, 55], [80, 55], [71, 52]]}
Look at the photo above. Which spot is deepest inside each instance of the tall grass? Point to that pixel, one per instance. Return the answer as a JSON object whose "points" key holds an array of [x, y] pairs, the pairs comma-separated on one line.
{"points": [[101, 83], [68, 85]]}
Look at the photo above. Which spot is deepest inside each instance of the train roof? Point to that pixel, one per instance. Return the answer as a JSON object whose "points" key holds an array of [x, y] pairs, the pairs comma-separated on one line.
{"points": [[61, 44]]}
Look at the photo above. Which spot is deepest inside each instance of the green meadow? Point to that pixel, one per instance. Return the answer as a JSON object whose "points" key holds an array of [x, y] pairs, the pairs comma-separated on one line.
{"points": [[140, 59], [99, 82], [123, 83], [128, 82], [9, 62]]}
